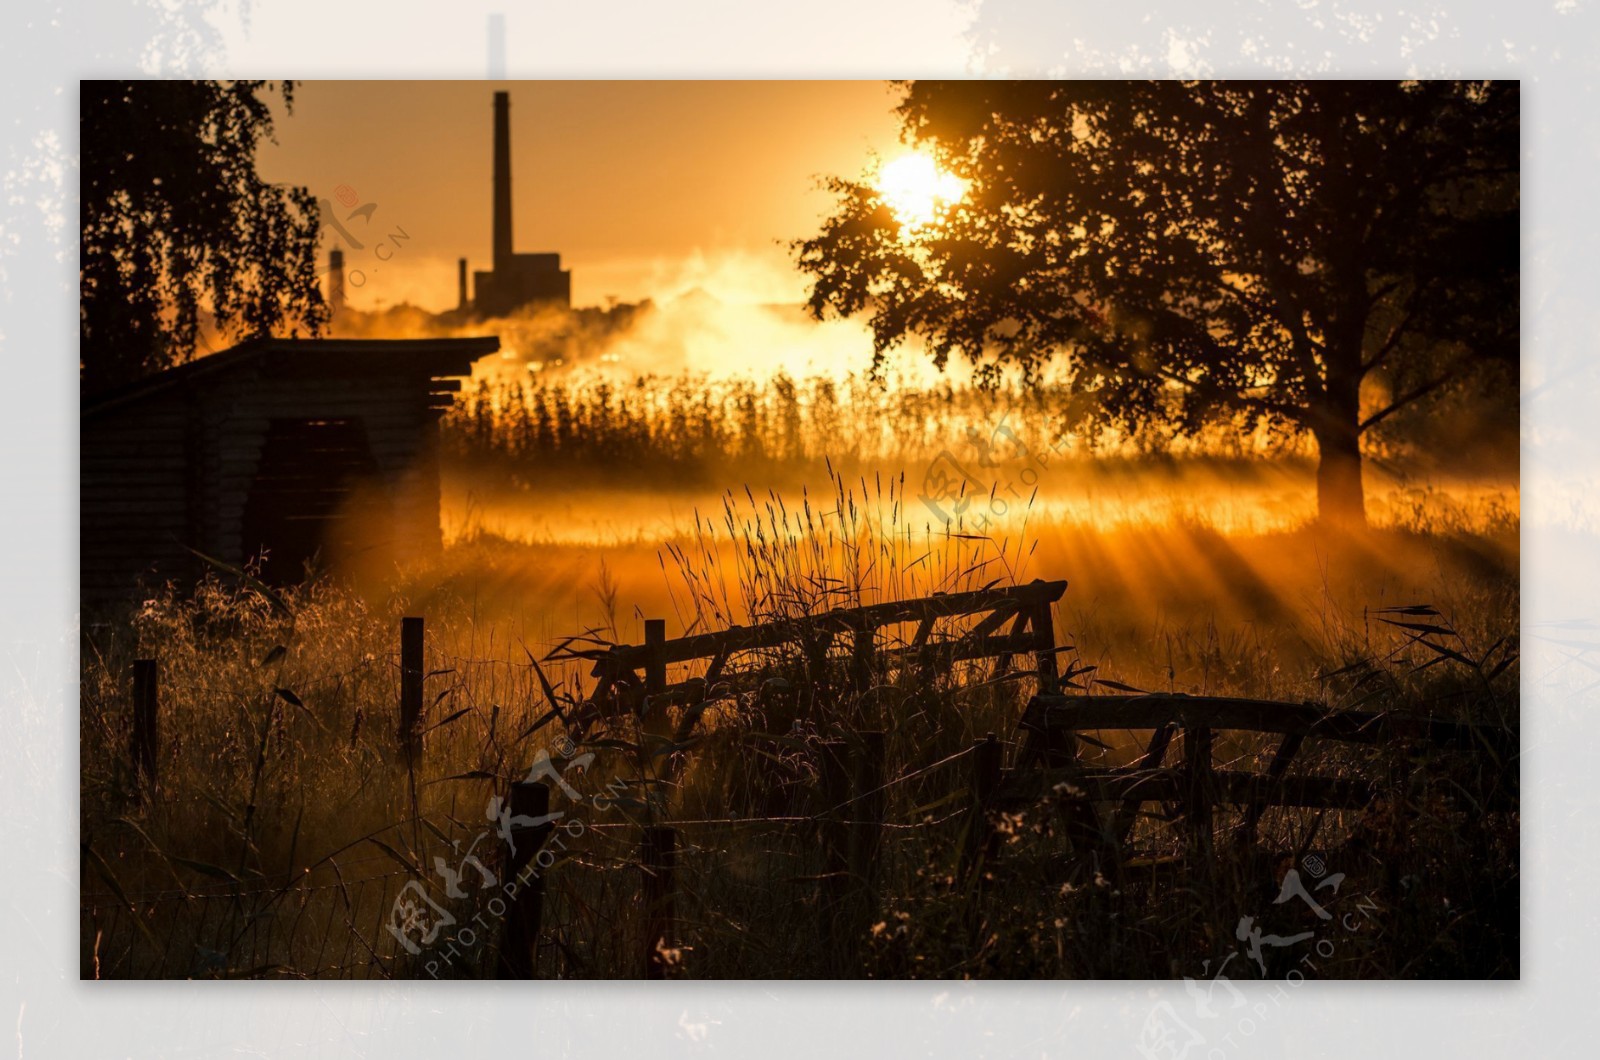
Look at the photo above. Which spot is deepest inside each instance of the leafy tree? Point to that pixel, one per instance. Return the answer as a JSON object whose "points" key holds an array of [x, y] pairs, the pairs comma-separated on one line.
{"points": [[177, 223], [1317, 254]]}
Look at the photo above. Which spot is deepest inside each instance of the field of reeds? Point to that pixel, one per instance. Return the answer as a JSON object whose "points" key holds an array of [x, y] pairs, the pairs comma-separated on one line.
{"points": [[697, 427], [287, 833], [694, 427]]}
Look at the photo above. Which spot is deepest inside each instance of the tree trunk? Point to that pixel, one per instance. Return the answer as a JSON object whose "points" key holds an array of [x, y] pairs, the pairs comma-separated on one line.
{"points": [[1341, 501], [1335, 414]]}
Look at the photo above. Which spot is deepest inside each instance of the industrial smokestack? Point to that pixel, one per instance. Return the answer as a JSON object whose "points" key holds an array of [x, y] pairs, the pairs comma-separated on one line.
{"points": [[461, 284], [502, 183], [335, 281]]}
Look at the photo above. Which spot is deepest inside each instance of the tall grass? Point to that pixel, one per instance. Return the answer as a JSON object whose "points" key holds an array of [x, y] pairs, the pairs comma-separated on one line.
{"points": [[286, 820]]}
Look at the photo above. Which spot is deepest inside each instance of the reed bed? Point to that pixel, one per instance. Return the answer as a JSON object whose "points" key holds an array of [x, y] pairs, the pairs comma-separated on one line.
{"points": [[692, 426]]}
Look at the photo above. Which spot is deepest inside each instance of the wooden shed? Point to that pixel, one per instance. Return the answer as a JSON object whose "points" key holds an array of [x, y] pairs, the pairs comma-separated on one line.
{"points": [[295, 449]]}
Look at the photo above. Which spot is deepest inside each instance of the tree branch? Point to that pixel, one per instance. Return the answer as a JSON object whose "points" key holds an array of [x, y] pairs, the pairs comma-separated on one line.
{"points": [[1293, 412], [1408, 397], [1279, 272], [1389, 342], [1383, 291], [1197, 333]]}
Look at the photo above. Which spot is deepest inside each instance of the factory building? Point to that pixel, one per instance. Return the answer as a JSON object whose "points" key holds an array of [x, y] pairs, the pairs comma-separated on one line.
{"points": [[516, 280]]}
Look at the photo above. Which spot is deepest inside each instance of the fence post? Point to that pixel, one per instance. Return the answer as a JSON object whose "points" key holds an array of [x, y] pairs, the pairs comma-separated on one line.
{"points": [[1267, 790], [862, 645], [833, 778], [653, 712], [867, 811], [410, 687], [655, 663], [866, 834], [519, 939], [1200, 788], [1044, 632], [985, 780], [1084, 826], [144, 741], [658, 856]]}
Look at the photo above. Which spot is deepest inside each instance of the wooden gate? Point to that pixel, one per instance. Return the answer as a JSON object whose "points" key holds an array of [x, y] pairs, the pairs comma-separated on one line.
{"points": [[1103, 804], [843, 648]]}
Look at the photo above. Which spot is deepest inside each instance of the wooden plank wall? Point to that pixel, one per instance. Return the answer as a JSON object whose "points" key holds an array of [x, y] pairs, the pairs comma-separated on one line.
{"points": [[399, 426], [176, 468], [133, 467]]}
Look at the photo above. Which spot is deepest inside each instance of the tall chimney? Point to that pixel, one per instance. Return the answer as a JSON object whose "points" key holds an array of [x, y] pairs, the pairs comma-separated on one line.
{"points": [[461, 284], [335, 281], [502, 183]]}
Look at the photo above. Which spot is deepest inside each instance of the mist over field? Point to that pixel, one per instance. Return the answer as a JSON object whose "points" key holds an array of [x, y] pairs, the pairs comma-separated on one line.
{"points": [[1089, 549]]}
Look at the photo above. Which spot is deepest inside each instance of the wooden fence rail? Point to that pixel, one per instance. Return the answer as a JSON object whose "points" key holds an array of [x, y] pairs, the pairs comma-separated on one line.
{"points": [[1049, 762], [1047, 714], [632, 678], [1100, 804]]}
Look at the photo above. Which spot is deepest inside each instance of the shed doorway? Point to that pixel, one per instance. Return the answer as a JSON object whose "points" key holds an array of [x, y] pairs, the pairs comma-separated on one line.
{"points": [[316, 498]]}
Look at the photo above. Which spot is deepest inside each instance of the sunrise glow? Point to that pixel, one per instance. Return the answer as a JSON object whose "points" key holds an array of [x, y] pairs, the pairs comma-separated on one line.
{"points": [[916, 189]]}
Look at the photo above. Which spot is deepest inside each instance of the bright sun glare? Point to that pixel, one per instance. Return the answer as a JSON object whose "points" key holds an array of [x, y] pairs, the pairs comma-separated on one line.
{"points": [[915, 188]]}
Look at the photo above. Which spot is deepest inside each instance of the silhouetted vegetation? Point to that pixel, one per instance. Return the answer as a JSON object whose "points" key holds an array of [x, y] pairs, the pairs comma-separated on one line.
{"points": [[178, 226], [1198, 311], [287, 819], [1317, 254]]}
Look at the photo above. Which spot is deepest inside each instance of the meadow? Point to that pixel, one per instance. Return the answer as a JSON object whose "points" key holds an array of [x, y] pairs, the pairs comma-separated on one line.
{"points": [[287, 821]]}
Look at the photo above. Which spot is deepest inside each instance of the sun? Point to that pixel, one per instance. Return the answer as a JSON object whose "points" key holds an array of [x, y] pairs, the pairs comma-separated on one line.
{"points": [[916, 189]]}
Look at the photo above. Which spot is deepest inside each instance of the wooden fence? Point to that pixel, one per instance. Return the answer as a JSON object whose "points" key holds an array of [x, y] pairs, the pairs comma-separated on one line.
{"points": [[1011, 621], [1104, 803], [847, 817]]}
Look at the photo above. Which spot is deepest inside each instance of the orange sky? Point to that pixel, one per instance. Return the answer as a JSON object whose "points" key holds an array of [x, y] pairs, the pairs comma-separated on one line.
{"points": [[644, 187]]}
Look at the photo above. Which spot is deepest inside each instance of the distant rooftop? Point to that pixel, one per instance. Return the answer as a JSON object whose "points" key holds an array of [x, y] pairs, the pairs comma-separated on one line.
{"points": [[312, 359]]}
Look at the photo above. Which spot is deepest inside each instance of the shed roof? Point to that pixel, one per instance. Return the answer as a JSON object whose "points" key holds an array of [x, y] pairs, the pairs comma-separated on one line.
{"points": [[312, 359]]}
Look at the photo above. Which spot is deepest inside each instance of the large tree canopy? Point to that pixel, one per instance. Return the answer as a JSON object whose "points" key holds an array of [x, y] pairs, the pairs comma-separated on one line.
{"points": [[176, 223], [1194, 248]]}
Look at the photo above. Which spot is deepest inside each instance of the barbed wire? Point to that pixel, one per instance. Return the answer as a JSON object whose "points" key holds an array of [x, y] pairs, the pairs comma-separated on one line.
{"points": [[914, 774]]}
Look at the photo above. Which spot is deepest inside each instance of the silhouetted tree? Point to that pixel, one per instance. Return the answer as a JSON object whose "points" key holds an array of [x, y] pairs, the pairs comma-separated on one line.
{"points": [[176, 223], [1196, 248]]}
